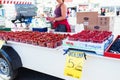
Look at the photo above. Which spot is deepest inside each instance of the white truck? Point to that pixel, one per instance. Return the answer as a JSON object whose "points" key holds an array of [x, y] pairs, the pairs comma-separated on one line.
{"points": [[52, 61], [14, 55]]}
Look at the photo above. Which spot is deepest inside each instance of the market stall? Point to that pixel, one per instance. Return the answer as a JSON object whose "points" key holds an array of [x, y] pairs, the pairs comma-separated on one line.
{"points": [[51, 59]]}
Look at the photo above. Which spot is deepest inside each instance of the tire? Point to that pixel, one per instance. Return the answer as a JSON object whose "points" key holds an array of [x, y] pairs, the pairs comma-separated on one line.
{"points": [[9, 63], [6, 71]]}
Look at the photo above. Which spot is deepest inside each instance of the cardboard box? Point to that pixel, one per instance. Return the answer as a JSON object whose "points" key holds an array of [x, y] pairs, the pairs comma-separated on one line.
{"points": [[106, 23], [96, 27], [92, 21], [102, 28], [90, 27], [111, 54], [87, 18]]}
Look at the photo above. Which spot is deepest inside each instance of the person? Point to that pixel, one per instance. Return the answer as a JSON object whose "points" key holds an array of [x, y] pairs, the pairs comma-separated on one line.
{"points": [[68, 12], [22, 19], [18, 17], [27, 21], [118, 13], [103, 11], [60, 23]]}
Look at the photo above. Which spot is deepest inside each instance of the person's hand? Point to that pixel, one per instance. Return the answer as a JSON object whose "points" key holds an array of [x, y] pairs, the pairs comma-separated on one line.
{"points": [[51, 19]]}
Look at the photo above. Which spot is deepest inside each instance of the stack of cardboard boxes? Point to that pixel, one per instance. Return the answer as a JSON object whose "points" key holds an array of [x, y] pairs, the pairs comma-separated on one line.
{"points": [[92, 21], [106, 23]]}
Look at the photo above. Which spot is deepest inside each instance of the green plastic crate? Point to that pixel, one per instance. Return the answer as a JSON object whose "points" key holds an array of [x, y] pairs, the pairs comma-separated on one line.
{"points": [[5, 29]]}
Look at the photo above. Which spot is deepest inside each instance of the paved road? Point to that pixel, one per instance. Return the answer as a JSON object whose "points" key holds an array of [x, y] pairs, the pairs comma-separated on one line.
{"points": [[26, 74]]}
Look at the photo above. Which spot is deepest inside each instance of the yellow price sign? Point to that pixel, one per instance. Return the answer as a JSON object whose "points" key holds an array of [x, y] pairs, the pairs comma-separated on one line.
{"points": [[1, 43], [74, 64]]}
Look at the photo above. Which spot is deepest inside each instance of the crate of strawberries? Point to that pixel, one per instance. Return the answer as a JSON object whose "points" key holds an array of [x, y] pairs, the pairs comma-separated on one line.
{"points": [[90, 36], [94, 41], [44, 39]]}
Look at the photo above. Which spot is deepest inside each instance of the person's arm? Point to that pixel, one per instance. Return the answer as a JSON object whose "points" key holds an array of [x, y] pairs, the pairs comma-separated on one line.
{"points": [[63, 13]]}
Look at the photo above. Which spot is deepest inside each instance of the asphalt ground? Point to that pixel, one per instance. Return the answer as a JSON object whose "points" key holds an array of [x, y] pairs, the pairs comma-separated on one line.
{"points": [[26, 74]]}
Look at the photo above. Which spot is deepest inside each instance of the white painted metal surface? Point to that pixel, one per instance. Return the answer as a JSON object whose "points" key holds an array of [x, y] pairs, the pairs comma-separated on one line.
{"points": [[46, 60], [101, 68], [52, 62]]}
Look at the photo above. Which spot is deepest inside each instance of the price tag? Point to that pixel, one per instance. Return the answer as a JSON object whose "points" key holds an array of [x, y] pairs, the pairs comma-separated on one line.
{"points": [[1, 43], [74, 64]]}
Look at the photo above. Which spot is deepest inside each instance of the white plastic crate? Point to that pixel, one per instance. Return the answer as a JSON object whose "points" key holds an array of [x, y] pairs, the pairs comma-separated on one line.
{"points": [[98, 48]]}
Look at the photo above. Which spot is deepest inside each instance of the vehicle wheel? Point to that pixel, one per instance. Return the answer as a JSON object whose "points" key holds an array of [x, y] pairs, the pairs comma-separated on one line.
{"points": [[6, 71], [10, 62]]}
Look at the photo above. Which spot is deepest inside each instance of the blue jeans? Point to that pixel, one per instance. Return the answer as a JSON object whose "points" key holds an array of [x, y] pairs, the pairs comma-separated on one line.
{"points": [[60, 28]]}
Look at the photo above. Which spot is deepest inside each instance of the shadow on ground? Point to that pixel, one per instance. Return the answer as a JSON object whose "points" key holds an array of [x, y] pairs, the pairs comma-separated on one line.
{"points": [[26, 74]]}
